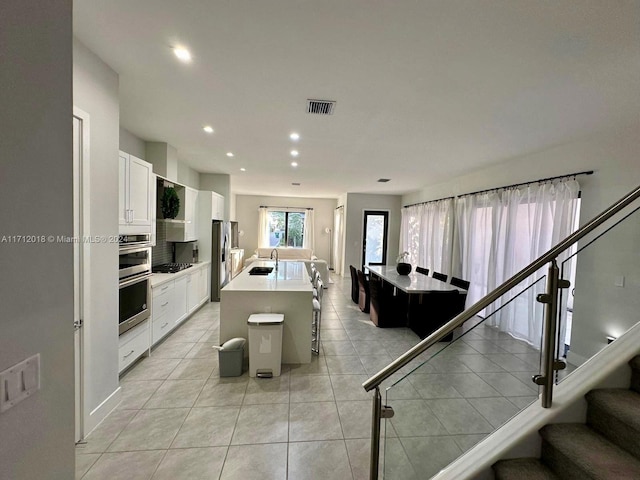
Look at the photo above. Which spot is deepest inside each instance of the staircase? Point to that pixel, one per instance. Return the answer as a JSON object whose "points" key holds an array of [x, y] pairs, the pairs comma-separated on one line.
{"points": [[607, 447]]}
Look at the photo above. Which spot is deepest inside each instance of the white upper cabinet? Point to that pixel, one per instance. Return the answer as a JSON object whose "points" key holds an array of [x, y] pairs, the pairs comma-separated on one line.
{"points": [[185, 230], [135, 213], [217, 206]]}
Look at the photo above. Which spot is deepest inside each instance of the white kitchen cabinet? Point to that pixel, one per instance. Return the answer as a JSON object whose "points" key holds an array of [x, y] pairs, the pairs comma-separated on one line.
{"points": [[185, 229], [217, 206], [237, 256], [175, 300], [135, 195], [181, 311], [193, 289], [133, 344]]}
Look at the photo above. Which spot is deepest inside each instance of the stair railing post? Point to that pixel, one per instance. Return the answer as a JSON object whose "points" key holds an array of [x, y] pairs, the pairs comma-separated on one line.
{"points": [[548, 363], [376, 415], [378, 412]]}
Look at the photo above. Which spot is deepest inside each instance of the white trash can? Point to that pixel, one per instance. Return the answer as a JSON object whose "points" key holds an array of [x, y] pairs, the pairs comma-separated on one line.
{"points": [[265, 344]]}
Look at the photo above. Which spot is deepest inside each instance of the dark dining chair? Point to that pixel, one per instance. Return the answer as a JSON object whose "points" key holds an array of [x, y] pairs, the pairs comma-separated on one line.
{"points": [[434, 310], [355, 290], [387, 305], [440, 276], [363, 292], [458, 282], [422, 270]]}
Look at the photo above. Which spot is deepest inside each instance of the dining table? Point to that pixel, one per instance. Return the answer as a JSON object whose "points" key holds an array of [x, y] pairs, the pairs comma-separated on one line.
{"points": [[419, 302]]}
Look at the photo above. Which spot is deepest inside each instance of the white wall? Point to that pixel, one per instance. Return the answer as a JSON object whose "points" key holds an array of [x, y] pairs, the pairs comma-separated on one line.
{"points": [[132, 144], [188, 176], [36, 290], [355, 206], [95, 90], [599, 307], [247, 215]]}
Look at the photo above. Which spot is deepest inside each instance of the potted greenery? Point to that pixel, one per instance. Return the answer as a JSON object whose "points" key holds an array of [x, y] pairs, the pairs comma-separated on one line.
{"points": [[170, 203], [403, 268]]}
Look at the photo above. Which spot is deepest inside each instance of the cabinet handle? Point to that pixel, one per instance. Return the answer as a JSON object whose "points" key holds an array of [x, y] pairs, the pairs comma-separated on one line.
{"points": [[166, 323], [165, 304], [128, 354], [164, 288], [132, 215]]}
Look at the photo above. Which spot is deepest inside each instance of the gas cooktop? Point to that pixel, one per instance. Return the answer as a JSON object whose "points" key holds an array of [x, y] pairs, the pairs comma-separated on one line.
{"points": [[170, 267]]}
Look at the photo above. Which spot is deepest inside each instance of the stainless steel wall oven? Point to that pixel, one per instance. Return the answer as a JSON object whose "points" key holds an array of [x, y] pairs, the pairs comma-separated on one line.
{"points": [[135, 282]]}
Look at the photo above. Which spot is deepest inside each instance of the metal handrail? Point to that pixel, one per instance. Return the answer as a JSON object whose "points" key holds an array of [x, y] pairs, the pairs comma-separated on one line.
{"points": [[405, 358]]}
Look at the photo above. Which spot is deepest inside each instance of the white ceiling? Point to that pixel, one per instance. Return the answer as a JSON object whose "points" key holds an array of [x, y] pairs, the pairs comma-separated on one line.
{"points": [[426, 90]]}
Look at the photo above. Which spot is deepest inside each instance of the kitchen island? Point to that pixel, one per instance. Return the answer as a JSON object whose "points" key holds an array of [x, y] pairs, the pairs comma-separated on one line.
{"points": [[287, 290]]}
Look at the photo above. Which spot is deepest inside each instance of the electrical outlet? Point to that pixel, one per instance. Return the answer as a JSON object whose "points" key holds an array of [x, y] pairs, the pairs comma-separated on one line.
{"points": [[19, 382]]}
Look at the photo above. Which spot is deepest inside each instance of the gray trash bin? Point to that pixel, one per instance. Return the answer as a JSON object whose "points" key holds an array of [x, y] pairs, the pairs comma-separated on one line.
{"points": [[231, 356]]}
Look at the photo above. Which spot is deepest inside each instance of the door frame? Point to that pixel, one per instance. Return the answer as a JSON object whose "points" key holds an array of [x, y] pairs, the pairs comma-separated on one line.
{"points": [[386, 214], [81, 252]]}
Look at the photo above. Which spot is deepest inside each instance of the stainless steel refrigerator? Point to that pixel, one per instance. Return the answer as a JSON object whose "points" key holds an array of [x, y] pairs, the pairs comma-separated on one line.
{"points": [[220, 257]]}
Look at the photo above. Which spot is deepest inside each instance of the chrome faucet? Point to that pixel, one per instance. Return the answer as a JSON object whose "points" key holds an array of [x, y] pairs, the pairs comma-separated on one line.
{"points": [[271, 256]]}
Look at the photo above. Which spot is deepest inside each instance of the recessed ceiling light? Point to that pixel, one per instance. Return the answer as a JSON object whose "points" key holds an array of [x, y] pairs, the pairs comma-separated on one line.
{"points": [[208, 129], [243, 169], [229, 154], [294, 164], [182, 53], [294, 136], [294, 153]]}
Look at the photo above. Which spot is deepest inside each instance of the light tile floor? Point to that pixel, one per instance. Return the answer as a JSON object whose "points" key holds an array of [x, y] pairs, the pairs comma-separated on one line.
{"points": [[179, 420]]}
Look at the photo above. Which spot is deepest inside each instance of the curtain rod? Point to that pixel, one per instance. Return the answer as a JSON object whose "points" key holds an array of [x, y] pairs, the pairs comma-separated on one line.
{"points": [[541, 180], [296, 208]]}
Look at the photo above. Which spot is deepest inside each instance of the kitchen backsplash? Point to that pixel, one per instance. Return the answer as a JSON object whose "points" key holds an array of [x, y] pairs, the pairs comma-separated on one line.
{"points": [[163, 251]]}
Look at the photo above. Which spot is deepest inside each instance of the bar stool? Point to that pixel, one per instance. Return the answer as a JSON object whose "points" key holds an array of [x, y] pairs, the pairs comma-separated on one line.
{"points": [[319, 288], [316, 319], [316, 278]]}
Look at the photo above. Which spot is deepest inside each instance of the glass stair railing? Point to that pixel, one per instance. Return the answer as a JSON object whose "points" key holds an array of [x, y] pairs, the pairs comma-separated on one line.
{"points": [[442, 398]]}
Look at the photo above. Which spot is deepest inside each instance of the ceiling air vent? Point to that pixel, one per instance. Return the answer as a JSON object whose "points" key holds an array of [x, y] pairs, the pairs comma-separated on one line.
{"points": [[383, 180], [321, 107]]}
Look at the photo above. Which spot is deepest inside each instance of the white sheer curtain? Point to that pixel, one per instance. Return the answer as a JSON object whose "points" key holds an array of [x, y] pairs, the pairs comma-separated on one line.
{"points": [[338, 240], [426, 232], [263, 227], [499, 233], [308, 240]]}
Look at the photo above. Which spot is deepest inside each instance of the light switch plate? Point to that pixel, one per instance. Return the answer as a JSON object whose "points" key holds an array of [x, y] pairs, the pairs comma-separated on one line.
{"points": [[619, 281], [19, 382]]}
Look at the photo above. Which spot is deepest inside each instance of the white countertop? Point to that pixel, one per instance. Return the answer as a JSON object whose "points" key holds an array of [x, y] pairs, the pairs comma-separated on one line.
{"points": [[161, 278], [291, 276]]}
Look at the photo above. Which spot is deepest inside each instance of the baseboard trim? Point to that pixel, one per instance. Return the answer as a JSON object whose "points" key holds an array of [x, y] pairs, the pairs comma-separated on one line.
{"points": [[102, 411]]}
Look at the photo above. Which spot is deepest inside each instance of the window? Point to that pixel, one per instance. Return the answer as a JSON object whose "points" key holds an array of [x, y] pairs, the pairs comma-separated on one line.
{"points": [[286, 229]]}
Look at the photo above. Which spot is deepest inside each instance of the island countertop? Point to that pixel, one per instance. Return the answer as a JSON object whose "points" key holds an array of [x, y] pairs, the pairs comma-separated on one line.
{"points": [[289, 277]]}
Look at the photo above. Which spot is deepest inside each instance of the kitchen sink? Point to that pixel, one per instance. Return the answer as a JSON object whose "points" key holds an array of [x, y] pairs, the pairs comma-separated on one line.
{"points": [[260, 270]]}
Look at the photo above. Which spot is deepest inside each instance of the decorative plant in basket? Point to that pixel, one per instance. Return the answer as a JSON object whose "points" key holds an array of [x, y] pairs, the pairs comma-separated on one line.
{"points": [[403, 268], [170, 203]]}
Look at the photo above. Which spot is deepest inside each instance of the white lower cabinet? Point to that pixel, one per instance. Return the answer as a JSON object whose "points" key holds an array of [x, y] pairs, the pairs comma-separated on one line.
{"points": [[181, 310], [175, 300], [133, 344], [193, 290]]}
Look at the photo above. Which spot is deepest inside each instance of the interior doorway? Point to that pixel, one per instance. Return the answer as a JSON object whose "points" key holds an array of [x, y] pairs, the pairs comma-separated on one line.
{"points": [[374, 237], [80, 253]]}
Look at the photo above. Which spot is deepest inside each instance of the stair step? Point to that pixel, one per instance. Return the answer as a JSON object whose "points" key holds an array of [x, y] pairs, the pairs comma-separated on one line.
{"points": [[615, 413], [522, 469], [634, 363], [575, 451]]}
